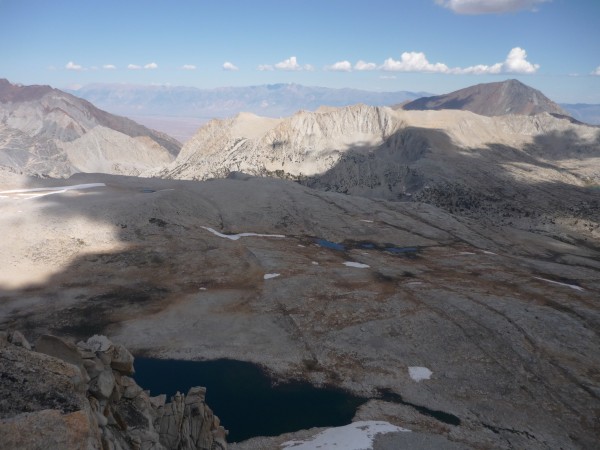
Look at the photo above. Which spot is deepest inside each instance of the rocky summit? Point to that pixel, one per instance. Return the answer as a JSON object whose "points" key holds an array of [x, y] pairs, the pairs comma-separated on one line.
{"points": [[491, 99], [47, 132]]}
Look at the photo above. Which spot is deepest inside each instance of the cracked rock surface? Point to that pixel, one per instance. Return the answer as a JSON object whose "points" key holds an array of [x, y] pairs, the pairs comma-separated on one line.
{"points": [[503, 321]]}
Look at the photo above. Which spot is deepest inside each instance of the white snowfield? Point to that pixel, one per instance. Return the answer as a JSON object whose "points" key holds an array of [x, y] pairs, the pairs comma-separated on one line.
{"points": [[419, 373], [356, 436], [27, 194], [235, 237], [268, 276], [572, 286], [356, 264]]}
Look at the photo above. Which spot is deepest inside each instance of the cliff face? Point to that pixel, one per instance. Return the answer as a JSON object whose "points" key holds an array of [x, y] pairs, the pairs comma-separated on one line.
{"points": [[83, 397]]}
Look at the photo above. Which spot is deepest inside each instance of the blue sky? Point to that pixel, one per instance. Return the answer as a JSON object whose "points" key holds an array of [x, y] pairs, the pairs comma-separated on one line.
{"points": [[416, 45]]}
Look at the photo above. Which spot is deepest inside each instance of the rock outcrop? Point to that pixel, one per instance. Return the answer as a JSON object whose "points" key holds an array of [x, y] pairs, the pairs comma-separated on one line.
{"points": [[82, 396], [44, 131]]}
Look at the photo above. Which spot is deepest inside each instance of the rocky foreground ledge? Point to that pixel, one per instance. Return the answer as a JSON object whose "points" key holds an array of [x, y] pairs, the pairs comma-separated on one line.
{"points": [[67, 396]]}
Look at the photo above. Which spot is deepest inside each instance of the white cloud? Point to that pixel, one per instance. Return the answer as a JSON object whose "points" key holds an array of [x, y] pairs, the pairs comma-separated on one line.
{"points": [[363, 65], [151, 66], [230, 66], [489, 6], [288, 64], [188, 67], [413, 62], [387, 77], [72, 66], [109, 67], [340, 66], [134, 67], [515, 63], [596, 71]]}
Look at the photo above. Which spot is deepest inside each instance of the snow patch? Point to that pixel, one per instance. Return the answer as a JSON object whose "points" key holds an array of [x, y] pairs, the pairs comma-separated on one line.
{"points": [[487, 252], [419, 373], [268, 276], [28, 194], [365, 220], [572, 286], [314, 263], [235, 237], [356, 264], [356, 436]]}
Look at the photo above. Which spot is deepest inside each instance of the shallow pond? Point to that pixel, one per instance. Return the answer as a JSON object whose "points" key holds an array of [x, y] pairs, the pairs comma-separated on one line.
{"points": [[246, 399]]}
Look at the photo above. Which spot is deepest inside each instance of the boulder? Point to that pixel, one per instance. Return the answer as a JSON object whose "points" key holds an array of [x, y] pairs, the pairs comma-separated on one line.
{"points": [[122, 360], [45, 403]]}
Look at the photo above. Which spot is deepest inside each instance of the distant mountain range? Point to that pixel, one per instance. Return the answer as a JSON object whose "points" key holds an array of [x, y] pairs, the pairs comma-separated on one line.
{"points": [[272, 100], [583, 112], [45, 131], [179, 110]]}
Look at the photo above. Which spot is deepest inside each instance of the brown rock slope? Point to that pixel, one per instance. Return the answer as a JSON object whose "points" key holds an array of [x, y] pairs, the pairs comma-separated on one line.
{"points": [[45, 131], [357, 292], [66, 396], [491, 99]]}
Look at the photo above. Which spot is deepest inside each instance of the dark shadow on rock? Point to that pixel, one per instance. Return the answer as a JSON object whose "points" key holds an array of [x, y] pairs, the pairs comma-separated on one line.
{"points": [[487, 184]]}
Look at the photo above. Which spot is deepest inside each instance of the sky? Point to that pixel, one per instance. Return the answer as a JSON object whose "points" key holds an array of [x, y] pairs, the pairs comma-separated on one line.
{"points": [[432, 46]]}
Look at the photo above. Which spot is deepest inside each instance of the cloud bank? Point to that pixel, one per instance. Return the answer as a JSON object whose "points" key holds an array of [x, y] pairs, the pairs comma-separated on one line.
{"points": [[474, 7], [109, 67], [596, 71], [188, 67], [515, 63]]}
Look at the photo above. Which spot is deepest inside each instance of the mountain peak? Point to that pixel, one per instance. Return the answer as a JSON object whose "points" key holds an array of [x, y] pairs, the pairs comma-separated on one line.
{"points": [[492, 99], [18, 93]]}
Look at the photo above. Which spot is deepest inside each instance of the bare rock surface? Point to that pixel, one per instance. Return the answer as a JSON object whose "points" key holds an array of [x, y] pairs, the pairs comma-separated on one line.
{"points": [[536, 173], [505, 320], [49, 402], [47, 132]]}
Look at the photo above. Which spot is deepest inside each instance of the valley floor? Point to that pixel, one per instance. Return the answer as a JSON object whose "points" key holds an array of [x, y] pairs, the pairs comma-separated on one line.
{"points": [[480, 337]]}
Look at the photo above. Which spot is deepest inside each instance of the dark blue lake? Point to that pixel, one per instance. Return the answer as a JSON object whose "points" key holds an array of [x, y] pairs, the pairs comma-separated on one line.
{"points": [[245, 398]]}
